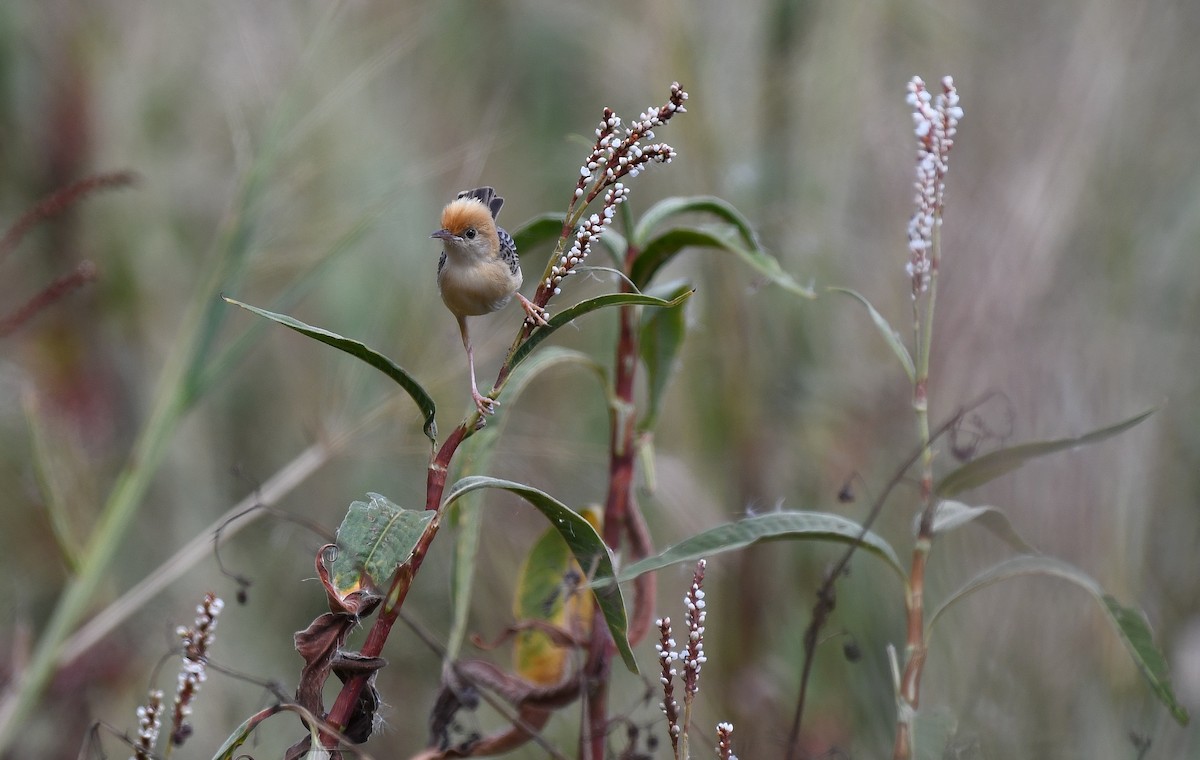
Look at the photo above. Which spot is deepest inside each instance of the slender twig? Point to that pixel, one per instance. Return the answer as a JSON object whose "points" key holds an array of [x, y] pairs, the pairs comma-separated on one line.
{"points": [[826, 598]]}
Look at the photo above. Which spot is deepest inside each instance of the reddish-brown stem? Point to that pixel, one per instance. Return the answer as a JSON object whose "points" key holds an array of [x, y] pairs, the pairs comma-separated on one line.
{"points": [[616, 514], [903, 742], [435, 486], [915, 645]]}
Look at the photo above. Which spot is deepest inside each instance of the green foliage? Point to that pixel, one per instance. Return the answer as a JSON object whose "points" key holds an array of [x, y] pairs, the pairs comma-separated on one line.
{"points": [[360, 351], [476, 458], [585, 544], [540, 230], [996, 463], [568, 315], [776, 526], [548, 590], [887, 331], [374, 539], [732, 235], [661, 339], [950, 515], [1130, 625]]}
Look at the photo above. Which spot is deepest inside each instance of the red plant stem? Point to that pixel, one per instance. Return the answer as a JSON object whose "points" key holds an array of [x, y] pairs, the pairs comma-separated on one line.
{"points": [[915, 651], [616, 514], [435, 486]]}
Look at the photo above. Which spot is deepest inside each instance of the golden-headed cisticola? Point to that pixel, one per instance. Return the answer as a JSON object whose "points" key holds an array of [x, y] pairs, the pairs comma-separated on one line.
{"points": [[479, 271]]}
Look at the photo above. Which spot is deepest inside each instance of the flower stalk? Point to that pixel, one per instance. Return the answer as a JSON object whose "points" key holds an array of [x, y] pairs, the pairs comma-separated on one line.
{"points": [[935, 120]]}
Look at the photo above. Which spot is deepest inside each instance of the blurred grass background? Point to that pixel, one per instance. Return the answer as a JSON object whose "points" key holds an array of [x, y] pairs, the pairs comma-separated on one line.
{"points": [[1070, 286]]}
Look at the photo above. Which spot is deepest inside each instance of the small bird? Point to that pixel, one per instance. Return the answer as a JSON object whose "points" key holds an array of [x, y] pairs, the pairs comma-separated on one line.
{"points": [[479, 271]]}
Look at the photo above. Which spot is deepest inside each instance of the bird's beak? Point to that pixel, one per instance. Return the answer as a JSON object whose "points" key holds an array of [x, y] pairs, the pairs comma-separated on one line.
{"points": [[444, 235]]}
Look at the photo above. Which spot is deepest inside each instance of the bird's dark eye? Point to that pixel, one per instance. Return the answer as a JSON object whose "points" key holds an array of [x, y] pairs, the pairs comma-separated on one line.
{"points": [[470, 233]]}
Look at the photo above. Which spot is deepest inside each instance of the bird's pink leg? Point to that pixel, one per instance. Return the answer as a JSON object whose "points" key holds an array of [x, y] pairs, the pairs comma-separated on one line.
{"points": [[535, 313], [484, 404]]}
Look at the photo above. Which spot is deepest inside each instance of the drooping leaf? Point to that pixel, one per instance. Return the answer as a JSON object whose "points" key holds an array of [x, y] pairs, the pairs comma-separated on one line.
{"points": [[583, 307], [374, 539], [889, 334], [1139, 640], [662, 248], [734, 234], [585, 543], [1130, 624], [242, 733], [360, 351], [703, 204], [475, 457], [661, 339], [996, 463], [776, 526], [950, 515], [230, 354]]}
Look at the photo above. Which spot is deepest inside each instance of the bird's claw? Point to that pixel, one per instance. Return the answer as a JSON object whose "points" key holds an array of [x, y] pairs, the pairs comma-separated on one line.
{"points": [[534, 314], [484, 404]]}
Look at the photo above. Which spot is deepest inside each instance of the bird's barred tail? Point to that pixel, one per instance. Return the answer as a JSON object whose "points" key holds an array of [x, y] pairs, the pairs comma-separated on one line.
{"points": [[487, 196]]}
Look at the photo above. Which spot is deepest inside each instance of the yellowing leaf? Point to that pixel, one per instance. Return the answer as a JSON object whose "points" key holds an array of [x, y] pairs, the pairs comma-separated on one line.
{"points": [[549, 589]]}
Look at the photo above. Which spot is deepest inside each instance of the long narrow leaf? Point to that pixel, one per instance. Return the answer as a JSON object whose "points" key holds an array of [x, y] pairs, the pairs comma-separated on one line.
{"points": [[992, 465], [363, 352], [1129, 623], [704, 204], [665, 246], [585, 543], [475, 457], [584, 307], [776, 526], [889, 334], [950, 515]]}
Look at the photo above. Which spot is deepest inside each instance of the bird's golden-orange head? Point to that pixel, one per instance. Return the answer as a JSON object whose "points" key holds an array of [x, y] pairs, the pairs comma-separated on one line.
{"points": [[467, 218]]}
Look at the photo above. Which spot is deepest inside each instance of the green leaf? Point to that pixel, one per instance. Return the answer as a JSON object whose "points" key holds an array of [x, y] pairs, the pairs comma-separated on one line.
{"points": [[360, 351], [661, 339], [374, 539], [776, 526], [733, 235], [585, 543], [889, 334], [1129, 623], [475, 457], [232, 352], [583, 307], [541, 229], [994, 464], [705, 204], [663, 248], [950, 515], [242, 733], [1139, 640]]}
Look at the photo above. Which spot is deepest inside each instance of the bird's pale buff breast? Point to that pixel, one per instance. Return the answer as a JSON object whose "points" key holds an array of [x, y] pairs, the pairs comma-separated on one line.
{"points": [[479, 287]]}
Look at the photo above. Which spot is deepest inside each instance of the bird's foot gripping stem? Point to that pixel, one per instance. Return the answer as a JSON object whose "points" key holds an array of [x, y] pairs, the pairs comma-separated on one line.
{"points": [[534, 314]]}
